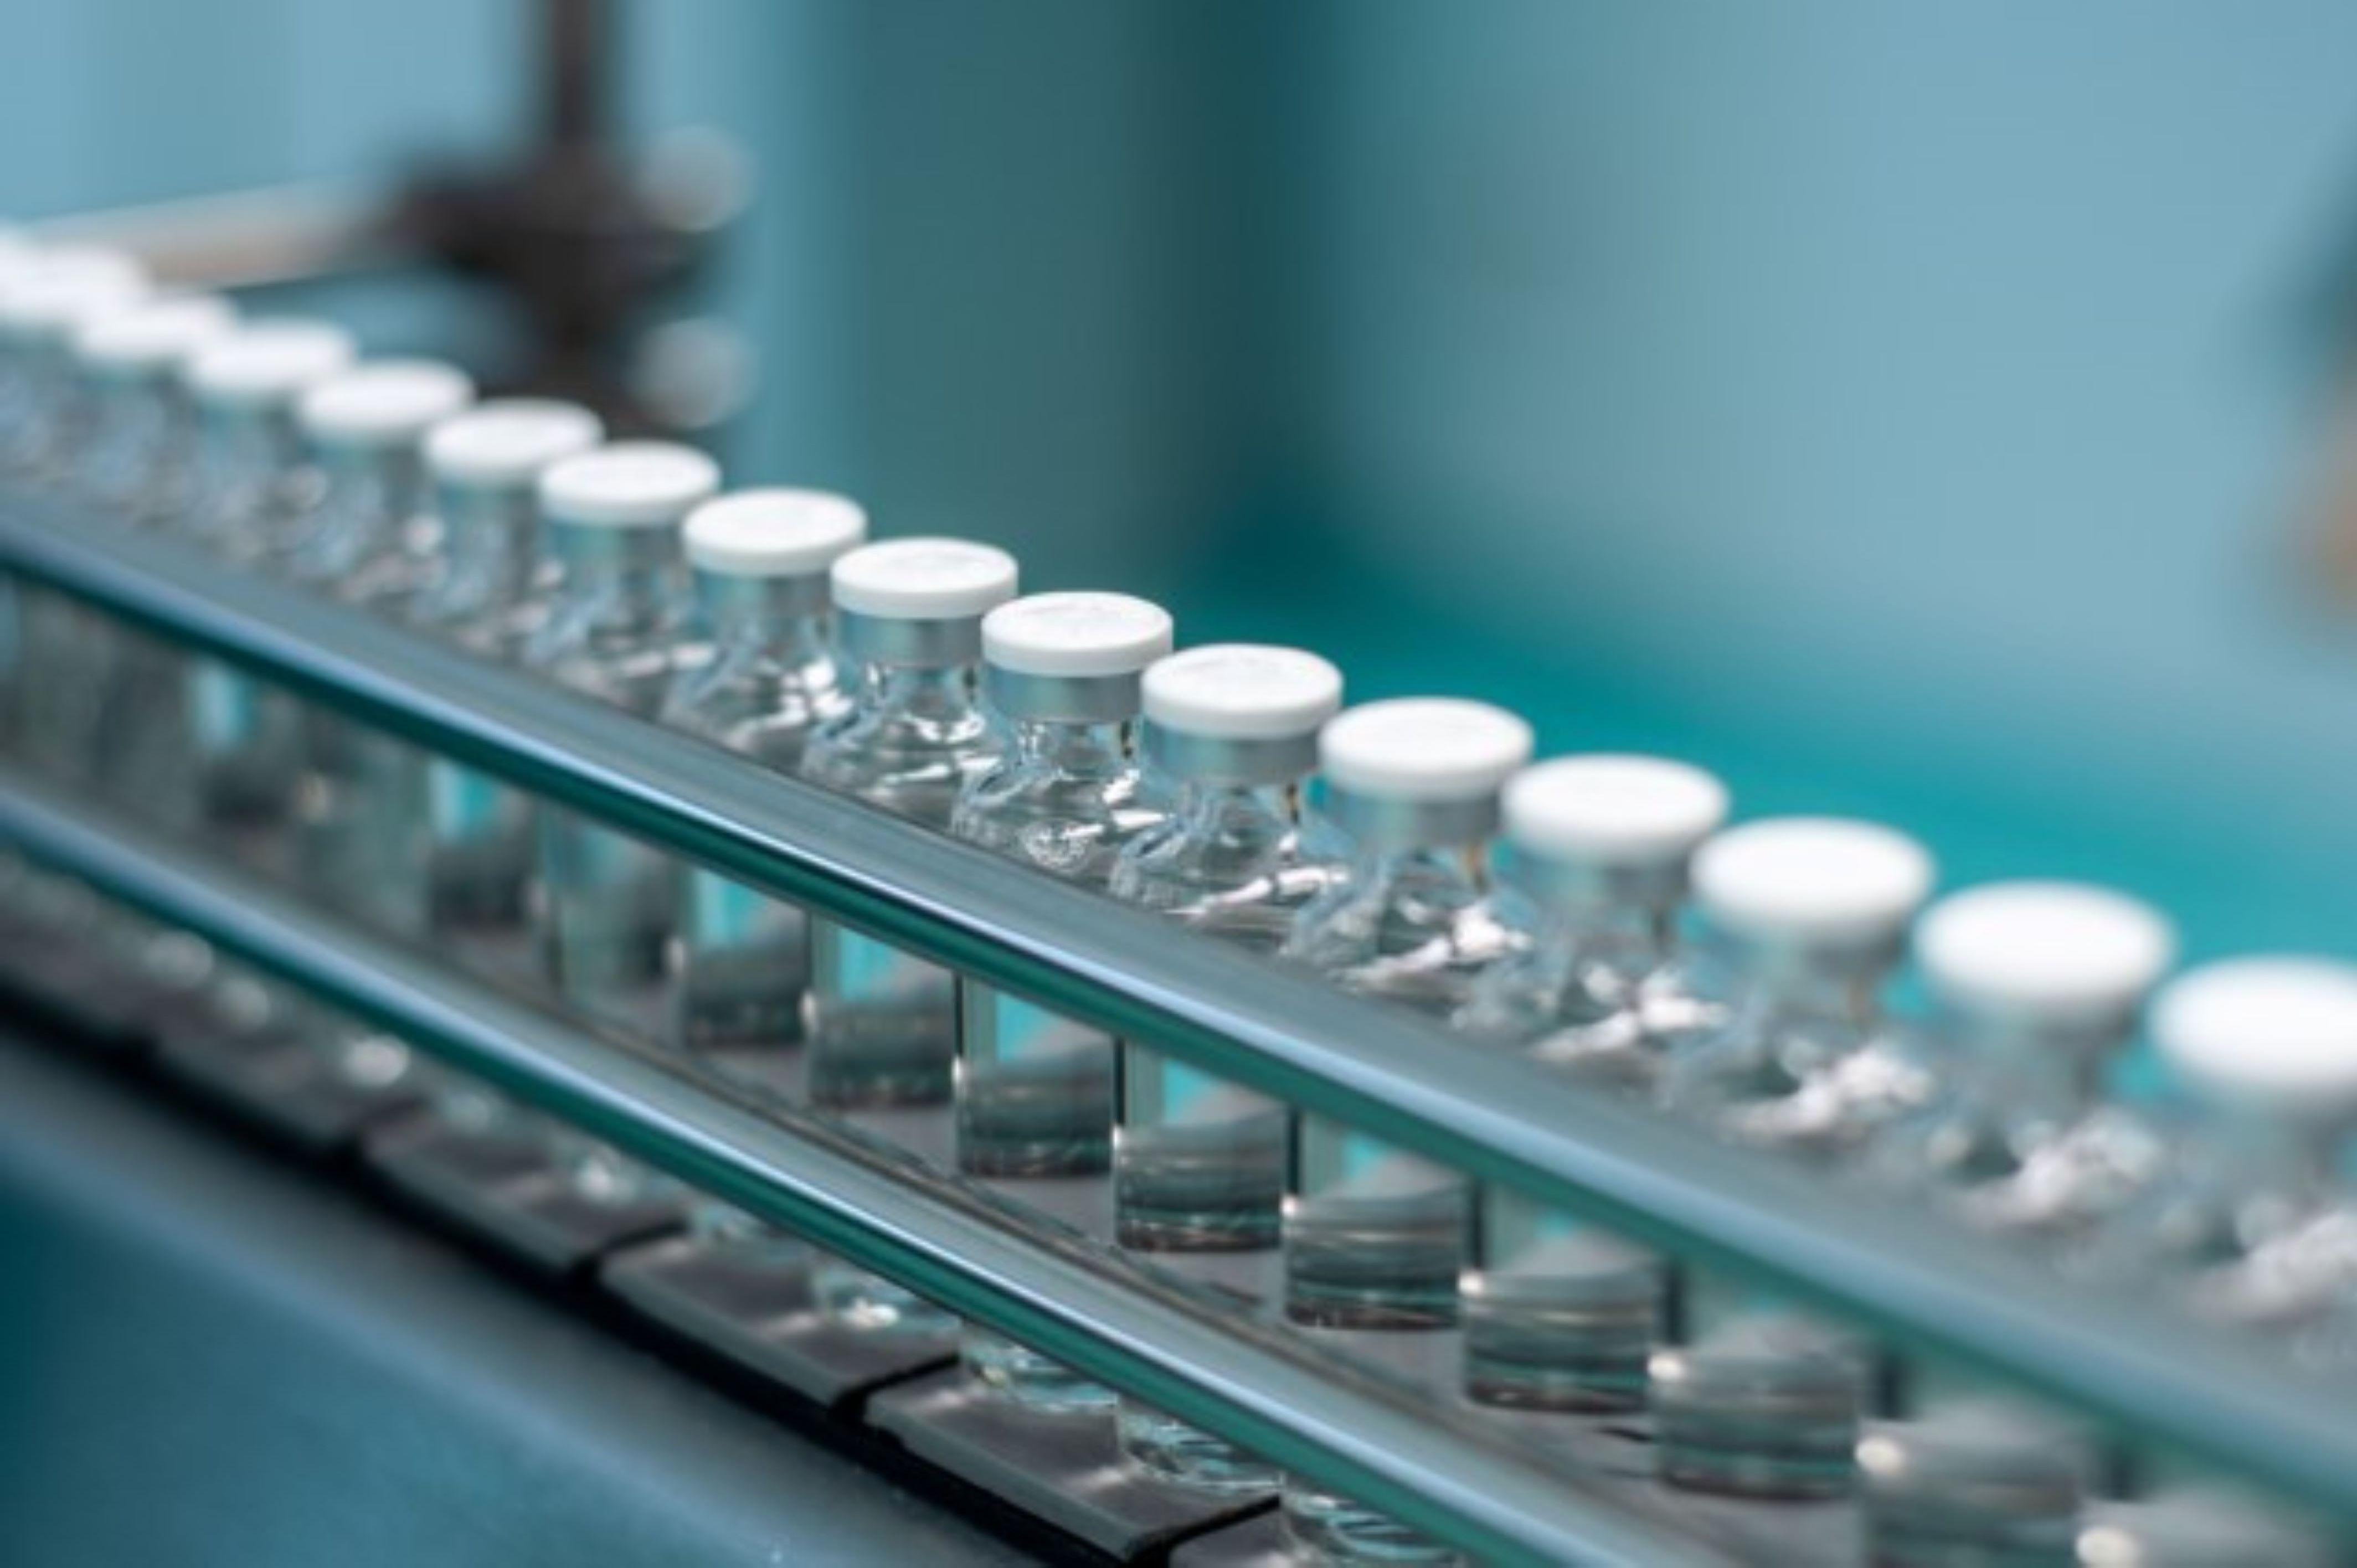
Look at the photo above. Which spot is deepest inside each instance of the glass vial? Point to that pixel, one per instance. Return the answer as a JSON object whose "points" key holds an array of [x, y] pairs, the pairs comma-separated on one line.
{"points": [[486, 588], [255, 481], [1765, 1400], [122, 357], [1034, 1090], [1973, 1481], [1560, 1317], [46, 297], [760, 561], [1601, 845], [1415, 782], [2254, 1225], [1199, 1164], [1377, 1240], [364, 545], [881, 1031], [2040, 987], [617, 631]]}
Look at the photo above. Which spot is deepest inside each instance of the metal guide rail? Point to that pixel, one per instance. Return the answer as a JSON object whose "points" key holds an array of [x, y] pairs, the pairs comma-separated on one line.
{"points": [[2150, 1376]]}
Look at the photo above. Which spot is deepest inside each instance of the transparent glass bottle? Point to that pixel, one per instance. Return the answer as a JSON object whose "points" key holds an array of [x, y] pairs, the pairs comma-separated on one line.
{"points": [[760, 559], [255, 481], [1199, 1164], [1376, 1239], [2039, 986], [1600, 844], [486, 588], [45, 300], [364, 545], [138, 455], [617, 631], [138, 460], [881, 1030], [2252, 1223], [1035, 1089], [1765, 1400], [66, 647], [1974, 1481], [369, 539], [1562, 1317]]}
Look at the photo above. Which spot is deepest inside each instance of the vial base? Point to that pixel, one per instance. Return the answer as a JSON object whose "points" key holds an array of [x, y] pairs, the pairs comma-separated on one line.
{"points": [[737, 996], [1169, 1450], [1761, 1410], [1187, 1194], [1037, 1382], [1037, 1117], [851, 1298], [1323, 1528]]}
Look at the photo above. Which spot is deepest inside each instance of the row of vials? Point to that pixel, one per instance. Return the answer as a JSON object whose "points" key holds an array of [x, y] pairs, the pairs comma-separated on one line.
{"points": [[1592, 911]]}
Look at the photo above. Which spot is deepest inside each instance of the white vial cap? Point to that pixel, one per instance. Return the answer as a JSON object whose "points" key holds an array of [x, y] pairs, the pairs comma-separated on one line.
{"points": [[629, 484], [1423, 749], [774, 533], [1612, 811], [158, 335], [1080, 634], [923, 579], [508, 440], [270, 362], [1813, 880], [1243, 691], [2281, 1032], [2063, 950], [58, 291], [384, 404]]}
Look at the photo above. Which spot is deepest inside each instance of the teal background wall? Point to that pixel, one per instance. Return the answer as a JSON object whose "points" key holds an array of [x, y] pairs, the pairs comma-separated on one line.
{"points": [[1905, 410]]}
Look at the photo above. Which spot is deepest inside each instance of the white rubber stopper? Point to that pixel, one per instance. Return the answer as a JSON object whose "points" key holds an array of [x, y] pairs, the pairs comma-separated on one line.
{"points": [[774, 533], [1243, 691], [158, 335], [271, 361], [385, 402], [2054, 950], [1613, 810], [1812, 881], [1081, 635], [509, 441], [923, 579], [1421, 749], [2281, 1032], [628, 484]]}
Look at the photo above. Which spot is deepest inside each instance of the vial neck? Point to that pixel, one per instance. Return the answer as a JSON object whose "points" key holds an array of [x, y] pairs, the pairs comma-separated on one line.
{"points": [[2040, 1072], [1800, 985], [489, 536], [2276, 1150], [1211, 809], [1078, 749], [369, 495], [622, 575], [250, 457], [940, 693], [774, 620], [1642, 933], [1464, 865]]}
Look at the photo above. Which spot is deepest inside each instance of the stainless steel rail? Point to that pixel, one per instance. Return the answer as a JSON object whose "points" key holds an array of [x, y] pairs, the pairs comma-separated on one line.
{"points": [[2112, 1355], [1188, 1354]]}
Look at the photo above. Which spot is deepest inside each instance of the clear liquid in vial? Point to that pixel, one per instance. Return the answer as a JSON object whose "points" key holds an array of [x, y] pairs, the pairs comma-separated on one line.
{"points": [[883, 1026], [1377, 1242], [1201, 1170], [1562, 1317], [607, 916], [743, 965], [1764, 1403]]}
